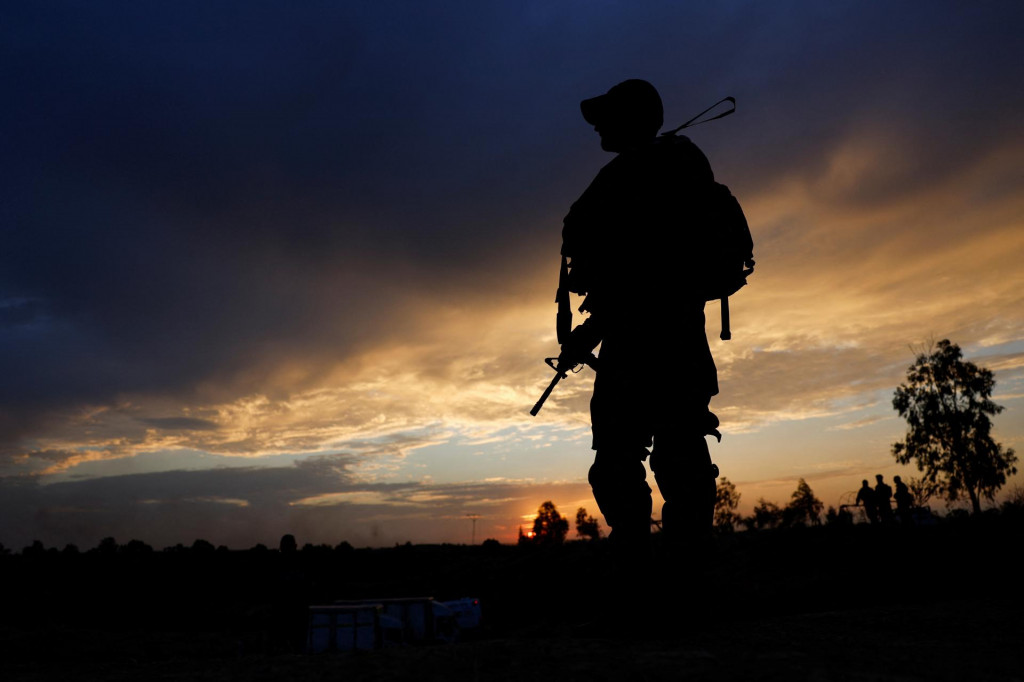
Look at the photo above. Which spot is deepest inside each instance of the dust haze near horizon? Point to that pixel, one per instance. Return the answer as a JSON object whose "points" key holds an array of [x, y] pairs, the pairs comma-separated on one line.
{"points": [[271, 269]]}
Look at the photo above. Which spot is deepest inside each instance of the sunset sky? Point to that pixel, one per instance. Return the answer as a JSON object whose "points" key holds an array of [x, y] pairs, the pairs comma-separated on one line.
{"points": [[277, 267]]}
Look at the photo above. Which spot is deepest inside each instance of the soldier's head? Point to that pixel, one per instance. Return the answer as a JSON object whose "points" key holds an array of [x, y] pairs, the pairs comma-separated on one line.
{"points": [[864, 483], [878, 477], [627, 115], [897, 479]]}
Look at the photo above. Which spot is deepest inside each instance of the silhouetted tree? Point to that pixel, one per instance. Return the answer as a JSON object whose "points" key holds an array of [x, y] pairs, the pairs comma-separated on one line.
{"points": [[947, 404], [288, 543], [586, 526], [803, 508], [838, 517], [766, 515], [1014, 504], [726, 502], [136, 547], [321, 549], [35, 549], [523, 539], [203, 546], [921, 491], [107, 545], [549, 527]]}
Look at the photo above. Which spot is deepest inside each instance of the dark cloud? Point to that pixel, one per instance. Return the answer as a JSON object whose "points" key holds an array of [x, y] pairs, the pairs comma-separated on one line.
{"points": [[240, 507], [930, 83], [180, 423], [271, 485], [200, 191], [168, 506], [50, 455]]}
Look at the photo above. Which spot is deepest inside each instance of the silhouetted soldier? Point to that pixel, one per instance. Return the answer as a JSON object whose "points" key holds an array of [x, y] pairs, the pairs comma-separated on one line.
{"points": [[904, 500], [883, 497], [631, 244], [866, 498]]}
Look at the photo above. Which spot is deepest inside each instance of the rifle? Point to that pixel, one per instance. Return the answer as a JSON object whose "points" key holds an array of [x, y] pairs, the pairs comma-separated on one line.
{"points": [[563, 323], [561, 371]]}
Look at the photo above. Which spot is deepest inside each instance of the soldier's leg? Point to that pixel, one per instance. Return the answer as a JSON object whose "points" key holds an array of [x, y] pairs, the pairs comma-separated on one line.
{"points": [[619, 481], [618, 477], [686, 477]]}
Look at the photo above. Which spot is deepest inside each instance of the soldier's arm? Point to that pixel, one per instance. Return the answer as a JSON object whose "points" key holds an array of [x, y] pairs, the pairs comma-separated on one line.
{"points": [[582, 342]]}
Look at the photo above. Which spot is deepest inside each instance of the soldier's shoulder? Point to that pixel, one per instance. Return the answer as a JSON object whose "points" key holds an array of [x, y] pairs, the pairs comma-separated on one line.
{"points": [[687, 157]]}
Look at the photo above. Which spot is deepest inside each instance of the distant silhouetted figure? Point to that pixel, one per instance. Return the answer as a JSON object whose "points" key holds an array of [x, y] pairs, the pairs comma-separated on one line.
{"points": [[866, 498], [632, 246], [904, 500], [883, 498]]}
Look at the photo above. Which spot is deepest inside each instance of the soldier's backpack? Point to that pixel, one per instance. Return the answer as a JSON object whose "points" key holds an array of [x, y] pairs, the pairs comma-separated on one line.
{"points": [[721, 243], [726, 247]]}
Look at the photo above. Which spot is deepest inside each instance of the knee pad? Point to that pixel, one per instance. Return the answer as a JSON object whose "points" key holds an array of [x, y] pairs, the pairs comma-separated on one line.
{"points": [[684, 469], [618, 469]]}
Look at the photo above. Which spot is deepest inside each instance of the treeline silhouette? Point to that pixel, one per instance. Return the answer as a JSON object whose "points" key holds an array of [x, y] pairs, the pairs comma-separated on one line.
{"points": [[109, 545], [257, 598]]}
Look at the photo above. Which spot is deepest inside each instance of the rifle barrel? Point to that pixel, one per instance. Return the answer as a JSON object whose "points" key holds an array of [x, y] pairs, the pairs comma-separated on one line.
{"points": [[547, 392]]}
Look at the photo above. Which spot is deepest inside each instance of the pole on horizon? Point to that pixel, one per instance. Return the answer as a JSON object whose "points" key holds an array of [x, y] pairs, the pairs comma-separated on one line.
{"points": [[474, 517]]}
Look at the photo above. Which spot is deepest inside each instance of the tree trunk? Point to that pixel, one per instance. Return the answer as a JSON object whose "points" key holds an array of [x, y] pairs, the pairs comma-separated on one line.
{"points": [[975, 500]]}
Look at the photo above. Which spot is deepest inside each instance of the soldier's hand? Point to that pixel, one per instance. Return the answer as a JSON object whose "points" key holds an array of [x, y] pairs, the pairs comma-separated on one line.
{"points": [[578, 348]]}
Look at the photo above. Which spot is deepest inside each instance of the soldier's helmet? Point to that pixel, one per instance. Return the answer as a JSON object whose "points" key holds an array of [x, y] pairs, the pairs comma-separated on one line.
{"points": [[632, 107]]}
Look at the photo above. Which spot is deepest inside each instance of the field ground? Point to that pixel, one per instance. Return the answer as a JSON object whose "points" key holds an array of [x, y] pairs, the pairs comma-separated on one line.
{"points": [[975, 640], [857, 603]]}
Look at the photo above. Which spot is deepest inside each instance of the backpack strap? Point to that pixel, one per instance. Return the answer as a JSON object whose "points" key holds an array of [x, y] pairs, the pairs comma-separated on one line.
{"points": [[726, 332]]}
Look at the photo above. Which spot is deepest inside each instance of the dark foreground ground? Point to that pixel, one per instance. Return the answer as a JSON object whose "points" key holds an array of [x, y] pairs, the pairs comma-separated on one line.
{"points": [[950, 641], [860, 603]]}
